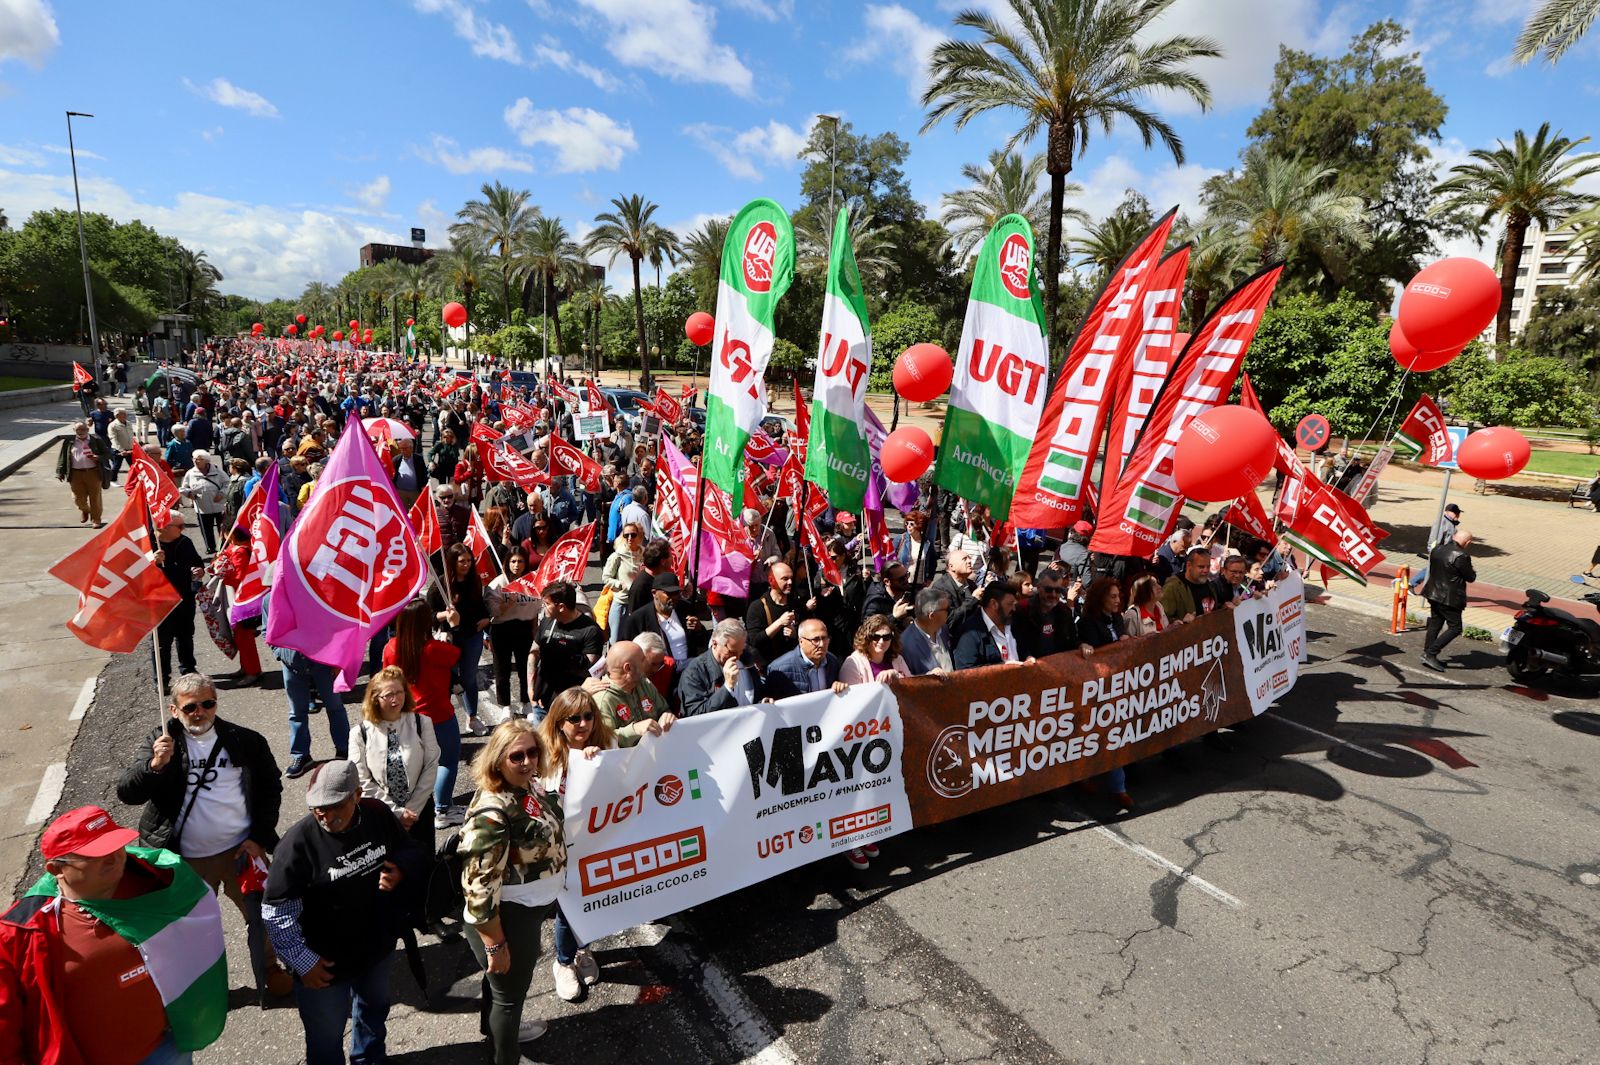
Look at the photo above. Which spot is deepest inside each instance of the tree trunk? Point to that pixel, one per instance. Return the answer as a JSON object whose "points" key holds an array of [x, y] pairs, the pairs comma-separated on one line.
{"points": [[1058, 163], [550, 297], [638, 321], [505, 277], [1199, 303], [1510, 260], [467, 325]]}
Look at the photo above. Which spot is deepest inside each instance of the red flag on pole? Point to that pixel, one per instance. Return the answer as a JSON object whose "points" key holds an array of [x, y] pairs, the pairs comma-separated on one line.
{"points": [[452, 385], [819, 551], [259, 518], [596, 400], [424, 517], [145, 474], [1246, 513], [570, 460], [80, 376], [483, 555], [567, 561], [802, 414], [501, 463], [1423, 435], [669, 409], [484, 435], [122, 594], [1334, 529]]}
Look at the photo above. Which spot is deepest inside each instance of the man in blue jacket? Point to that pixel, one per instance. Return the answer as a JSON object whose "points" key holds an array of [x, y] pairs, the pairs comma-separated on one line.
{"points": [[810, 667]]}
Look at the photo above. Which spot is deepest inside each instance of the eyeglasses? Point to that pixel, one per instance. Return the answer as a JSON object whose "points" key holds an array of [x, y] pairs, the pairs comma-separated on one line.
{"points": [[392, 693], [630, 536], [881, 637], [518, 757], [579, 719], [1048, 589], [816, 639], [203, 704]]}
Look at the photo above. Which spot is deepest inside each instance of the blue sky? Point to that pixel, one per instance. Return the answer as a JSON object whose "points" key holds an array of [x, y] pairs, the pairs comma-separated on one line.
{"points": [[280, 138]]}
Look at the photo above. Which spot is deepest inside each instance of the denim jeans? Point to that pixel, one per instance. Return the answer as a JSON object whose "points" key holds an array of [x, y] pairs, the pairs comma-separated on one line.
{"points": [[448, 733], [167, 1054], [467, 670], [567, 945], [361, 998], [298, 686]]}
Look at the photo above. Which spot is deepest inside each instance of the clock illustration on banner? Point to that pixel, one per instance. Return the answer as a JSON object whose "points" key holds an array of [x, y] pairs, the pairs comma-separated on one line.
{"points": [[949, 763]]}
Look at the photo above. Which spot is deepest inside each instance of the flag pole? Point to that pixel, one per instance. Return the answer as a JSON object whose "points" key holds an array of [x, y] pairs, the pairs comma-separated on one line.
{"points": [[155, 633]]}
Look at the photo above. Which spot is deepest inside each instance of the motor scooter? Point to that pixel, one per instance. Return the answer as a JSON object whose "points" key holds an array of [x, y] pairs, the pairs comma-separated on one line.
{"points": [[1543, 639]]}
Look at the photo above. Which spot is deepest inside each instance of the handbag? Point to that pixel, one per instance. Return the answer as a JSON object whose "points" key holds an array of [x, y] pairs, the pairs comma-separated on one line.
{"points": [[602, 608]]}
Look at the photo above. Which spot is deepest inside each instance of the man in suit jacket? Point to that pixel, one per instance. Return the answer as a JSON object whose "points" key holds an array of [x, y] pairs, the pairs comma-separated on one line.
{"points": [[922, 645], [683, 631], [986, 639], [724, 677], [1449, 572], [810, 667]]}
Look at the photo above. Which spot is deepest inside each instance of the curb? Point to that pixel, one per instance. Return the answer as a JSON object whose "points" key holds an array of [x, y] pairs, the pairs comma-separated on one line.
{"points": [[30, 449]]}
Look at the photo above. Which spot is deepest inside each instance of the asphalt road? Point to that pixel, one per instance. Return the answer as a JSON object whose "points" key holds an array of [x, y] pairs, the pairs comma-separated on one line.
{"points": [[1393, 866]]}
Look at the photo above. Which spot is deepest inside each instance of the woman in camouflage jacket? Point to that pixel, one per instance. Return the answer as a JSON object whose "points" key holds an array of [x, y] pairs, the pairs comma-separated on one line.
{"points": [[515, 865]]}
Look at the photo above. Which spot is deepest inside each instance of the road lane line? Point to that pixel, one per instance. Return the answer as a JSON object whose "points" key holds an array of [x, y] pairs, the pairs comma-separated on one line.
{"points": [[85, 697], [1168, 865], [1331, 738], [50, 788]]}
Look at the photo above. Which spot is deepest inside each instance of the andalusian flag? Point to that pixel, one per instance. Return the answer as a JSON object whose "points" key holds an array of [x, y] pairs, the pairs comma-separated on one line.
{"points": [[178, 933], [1002, 373], [757, 266], [837, 455]]}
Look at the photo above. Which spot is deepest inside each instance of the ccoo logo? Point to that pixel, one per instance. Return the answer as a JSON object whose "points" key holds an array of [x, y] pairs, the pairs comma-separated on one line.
{"points": [[760, 247], [1014, 257]]}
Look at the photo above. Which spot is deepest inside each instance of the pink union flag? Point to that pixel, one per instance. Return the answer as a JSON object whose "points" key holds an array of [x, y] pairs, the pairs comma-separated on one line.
{"points": [[349, 564]]}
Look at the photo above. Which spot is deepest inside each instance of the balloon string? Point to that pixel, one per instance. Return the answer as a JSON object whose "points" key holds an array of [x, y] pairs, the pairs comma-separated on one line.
{"points": [[1390, 410]]}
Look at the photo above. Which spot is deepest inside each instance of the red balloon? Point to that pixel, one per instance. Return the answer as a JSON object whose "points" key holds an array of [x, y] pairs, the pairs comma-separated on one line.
{"points": [[700, 328], [455, 315], [907, 454], [923, 372], [1448, 304], [1406, 354], [1224, 453], [411, 321], [338, 335], [293, 329], [300, 318], [1494, 454], [354, 323]]}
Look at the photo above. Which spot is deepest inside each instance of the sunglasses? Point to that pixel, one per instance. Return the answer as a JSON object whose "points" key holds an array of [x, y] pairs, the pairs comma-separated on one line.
{"points": [[881, 637], [203, 704], [520, 756], [580, 719], [1049, 589], [630, 536]]}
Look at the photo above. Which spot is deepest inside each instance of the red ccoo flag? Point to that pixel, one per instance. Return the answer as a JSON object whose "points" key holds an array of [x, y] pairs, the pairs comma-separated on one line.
{"points": [[424, 519], [567, 561], [669, 409], [122, 594], [597, 401], [483, 555], [159, 492], [80, 377]]}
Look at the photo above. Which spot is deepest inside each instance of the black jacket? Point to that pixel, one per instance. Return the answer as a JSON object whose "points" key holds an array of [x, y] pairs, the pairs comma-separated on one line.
{"points": [[162, 794], [700, 688], [1449, 572], [974, 646], [644, 619], [962, 604]]}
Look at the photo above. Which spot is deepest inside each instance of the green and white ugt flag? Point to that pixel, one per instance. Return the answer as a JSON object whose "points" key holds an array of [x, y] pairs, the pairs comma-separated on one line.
{"points": [[757, 267], [837, 455], [1002, 373]]}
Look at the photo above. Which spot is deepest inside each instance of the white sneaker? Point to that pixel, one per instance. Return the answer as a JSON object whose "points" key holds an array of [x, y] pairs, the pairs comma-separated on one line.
{"points": [[477, 727], [525, 709], [441, 820], [588, 968], [530, 1029], [870, 850], [569, 988]]}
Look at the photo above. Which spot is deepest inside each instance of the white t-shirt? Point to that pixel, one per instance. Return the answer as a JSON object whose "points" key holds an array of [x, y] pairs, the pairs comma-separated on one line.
{"points": [[219, 820], [677, 639]]}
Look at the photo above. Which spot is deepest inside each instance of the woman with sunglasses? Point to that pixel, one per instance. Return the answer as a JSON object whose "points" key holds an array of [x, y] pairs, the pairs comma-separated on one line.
{"points": [[511, 632], [574, 725], [619, 572], [542, 537], [877, 654], [515, 863], [396, 754]]}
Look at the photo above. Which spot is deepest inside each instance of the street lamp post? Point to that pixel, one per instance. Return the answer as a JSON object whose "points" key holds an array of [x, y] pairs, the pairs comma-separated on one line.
{"points": [[83, 247], [833, 163]]}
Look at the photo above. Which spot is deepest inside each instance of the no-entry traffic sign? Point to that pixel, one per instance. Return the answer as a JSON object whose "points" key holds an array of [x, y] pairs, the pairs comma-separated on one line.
{"points": [[1312, 432]]}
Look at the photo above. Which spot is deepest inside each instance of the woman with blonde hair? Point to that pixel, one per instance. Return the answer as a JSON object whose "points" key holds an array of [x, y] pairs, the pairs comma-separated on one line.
{"points": [[573, 725], [396, 754], [619, 573], [515, 864]]}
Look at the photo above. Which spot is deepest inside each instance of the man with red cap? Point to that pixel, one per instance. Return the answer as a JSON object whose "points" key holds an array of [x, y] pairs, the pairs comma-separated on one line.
{"points": [[114, 957]]}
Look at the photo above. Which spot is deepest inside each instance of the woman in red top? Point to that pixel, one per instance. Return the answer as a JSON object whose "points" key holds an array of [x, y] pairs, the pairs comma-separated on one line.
{"points": [[231, 564], [468, 476], [427, 663]]}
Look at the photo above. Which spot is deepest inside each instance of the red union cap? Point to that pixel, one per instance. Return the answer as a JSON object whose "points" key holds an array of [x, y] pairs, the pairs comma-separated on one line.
{"points": [[88, 831]]}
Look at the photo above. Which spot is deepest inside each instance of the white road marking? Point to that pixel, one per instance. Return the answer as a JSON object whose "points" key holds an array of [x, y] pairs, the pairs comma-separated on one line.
{"points": [[50, 788], [1166, 864], [747, 1030], [85, 697], [1331, 738]]}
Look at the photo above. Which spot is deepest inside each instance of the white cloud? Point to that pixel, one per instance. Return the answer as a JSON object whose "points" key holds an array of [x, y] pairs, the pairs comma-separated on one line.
{"points": [[492, 40], [374, 194], [550, 51], [1165, 187], [14, 156], [672, 37], [209, 135], [766, 10], [264, 251], [584, 139], [82, 153], [744, 154], [446, 152], [27, 31], [225, 93], [897, 36]]}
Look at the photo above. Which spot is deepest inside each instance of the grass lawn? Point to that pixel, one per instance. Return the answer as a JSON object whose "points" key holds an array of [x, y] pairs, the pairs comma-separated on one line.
{"points": [[11, 384], [1571, 463]]}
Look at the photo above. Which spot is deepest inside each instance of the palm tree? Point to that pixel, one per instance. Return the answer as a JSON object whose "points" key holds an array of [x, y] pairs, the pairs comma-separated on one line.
{"points": [[5, 223], [628, 230], [459, 270], [1008, 185], [1219, 256], [703, 252], [316, 300], [1107, 242], [872, 246], [1067, 64], [195, 276], [1528, 182], [549, 258], [412, 279], [497, 223], [591, 300], [1554, 28], [1285, 205]]}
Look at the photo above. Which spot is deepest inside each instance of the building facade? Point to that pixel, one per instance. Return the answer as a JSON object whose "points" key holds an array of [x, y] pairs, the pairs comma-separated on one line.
{"points": [[1549, 263]]}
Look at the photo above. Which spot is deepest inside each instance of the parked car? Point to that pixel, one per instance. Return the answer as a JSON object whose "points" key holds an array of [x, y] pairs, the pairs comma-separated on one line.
{"points": [[624, 405]]}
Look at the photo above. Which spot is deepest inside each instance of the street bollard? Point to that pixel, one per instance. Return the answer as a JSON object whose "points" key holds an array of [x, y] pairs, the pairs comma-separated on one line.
{"points": [[1402, 592]]}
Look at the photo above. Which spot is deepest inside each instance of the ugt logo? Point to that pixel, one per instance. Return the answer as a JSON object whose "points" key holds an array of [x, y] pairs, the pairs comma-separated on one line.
{"points": [[735, 356], [760, 247], [1014, 257]]}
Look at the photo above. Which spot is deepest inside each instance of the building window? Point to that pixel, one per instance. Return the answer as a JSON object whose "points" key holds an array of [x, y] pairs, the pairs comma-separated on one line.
{"points": [[1518, 294], [1552, 268], [1555, 248], [1522, 271]]}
